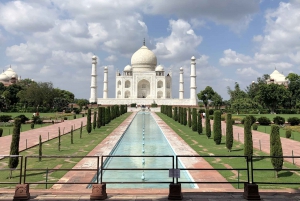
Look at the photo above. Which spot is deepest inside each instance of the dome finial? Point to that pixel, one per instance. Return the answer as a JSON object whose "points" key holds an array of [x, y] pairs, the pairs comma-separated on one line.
{"points": [[144, 43]]}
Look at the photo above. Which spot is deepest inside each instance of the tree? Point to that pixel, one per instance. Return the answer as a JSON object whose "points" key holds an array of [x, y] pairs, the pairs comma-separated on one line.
{"points": [[276, 149], [244, 103], [99, 118], [14, 146], [294, 89], [80, 133], [89, 123], [189, 117], [72, 135], [58, 138], [206, 95], [40, 148], [184, 117], [176, 114], [194, 119], [217, 100], [217, 127], [81, 103], [94, 120], [273, 95], [199, 125], [103, 116], [229, 132], [207, 124], [248, 143]]}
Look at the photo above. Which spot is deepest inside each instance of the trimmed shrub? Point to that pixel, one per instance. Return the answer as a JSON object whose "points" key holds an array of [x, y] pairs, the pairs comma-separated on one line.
{"points": [[189, 118], [184, 117], [153, 105], [254, 127], [211, 117], [82, 115], [253, 119], [217, 127], [23, 118], [279, 120], [32, 125], [89, 123], [133, 105], [293, 121], [194, 119], [74, 116], [229, 132], [95, 120], [248, 143], [1, 132], [14, 146], [72, 135], [5, 118], [99, 118], [288, 133], [264, 121], [207, 124], [199, 125], [40, 148], [65, 118], [176, 113], [276, 149]]}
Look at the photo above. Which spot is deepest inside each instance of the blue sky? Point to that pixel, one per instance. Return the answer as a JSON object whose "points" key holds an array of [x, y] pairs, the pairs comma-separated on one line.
{"points": [[233, 40]]}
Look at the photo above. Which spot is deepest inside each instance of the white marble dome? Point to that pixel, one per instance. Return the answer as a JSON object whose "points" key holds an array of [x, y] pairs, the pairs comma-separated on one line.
{"points": [[159, 68], [277, 76], [10, 73], [4, 77], [127, 68], [143, 60]]}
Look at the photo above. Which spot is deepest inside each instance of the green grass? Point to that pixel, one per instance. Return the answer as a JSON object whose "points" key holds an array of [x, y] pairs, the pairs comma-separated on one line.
{"points": [[205, 147], [267, 129], [81, 147], [270, 116], [54, 115]]}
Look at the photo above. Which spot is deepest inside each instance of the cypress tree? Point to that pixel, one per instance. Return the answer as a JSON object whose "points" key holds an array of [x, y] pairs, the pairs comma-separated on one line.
{"points": [[179, 115], [71, 134], [276, 149], [175, 114], [89, 123], [217, 127], [99, 118], [103, 116], [40, 148], [229, 132], [184, 116], [80, 133], [189, 117], [207, 124], [194, 119], [248, 143], [58, 138], [95, 120], [14, 146], [199, 126]]}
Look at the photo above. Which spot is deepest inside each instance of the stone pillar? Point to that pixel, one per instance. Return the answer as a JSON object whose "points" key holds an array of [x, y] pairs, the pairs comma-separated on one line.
{"points": [[105, 82], [98, 192], [93, 97], [22, 192], [193, 86], [181, 91]]}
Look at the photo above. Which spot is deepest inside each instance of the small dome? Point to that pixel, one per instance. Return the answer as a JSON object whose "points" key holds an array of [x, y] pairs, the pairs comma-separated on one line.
{"points": [[94, 57], [127, 68], [193, 58], [181, 69], [10, 72], [143, 60], [277, 76], [105, 67], [4, 77], [159, 68]]}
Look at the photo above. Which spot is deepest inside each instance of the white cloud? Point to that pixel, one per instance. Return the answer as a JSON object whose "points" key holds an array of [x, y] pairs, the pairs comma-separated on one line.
{"points": [[233, 58], [257, 38], [295, 57], [247, 72], [111, 58]]}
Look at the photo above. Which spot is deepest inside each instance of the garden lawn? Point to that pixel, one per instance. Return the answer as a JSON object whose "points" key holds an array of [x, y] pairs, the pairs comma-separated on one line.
{"points": [[269, 116], [81, 147], [206, 147], [267, 129]]}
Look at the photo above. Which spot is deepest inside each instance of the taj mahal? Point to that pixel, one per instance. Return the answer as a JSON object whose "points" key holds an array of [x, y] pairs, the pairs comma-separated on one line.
{"points": [[143, 82]]}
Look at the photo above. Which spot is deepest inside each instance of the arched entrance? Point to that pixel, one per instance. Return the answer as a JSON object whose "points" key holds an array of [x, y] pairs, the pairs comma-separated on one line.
{"points": [[143, 89]]}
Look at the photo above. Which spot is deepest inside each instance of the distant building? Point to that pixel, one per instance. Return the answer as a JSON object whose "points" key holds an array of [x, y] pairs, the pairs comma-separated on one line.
{"points": [[9, 77], [277, 78]]}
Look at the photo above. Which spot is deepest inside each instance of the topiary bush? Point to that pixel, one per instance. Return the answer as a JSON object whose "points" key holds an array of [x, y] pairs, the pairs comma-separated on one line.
{"points": [[264, 121], [211, 117], [288, 133], [217, 127], [254, 127], [279, 120], [293, 121], [32, 125], [65, 118], [23, 118], [5, 118], [1, 132], [253, 119]]}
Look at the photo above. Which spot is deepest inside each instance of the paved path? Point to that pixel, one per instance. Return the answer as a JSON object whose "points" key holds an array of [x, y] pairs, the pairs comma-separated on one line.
{"points": [[32, 136]]}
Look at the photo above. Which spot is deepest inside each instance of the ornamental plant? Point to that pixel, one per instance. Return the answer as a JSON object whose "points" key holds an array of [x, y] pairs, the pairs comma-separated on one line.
{"points": [[276, 149], [288, 133], [14, 146], [40, 148], [194, 119], [184, 116], [293, 121], [99, 118], [58, 138], [175, 114], [89, 123], [248, 143], [199, 125], [279, 120], [207, 124], [189, 117], [72, 135], [229, 132], [217, 127], [264, 121], [95, 120]]}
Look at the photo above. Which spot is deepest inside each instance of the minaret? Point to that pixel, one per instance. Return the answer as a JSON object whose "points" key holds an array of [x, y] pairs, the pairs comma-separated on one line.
{"points": [[181, 83], [105, 81], [93, 97], [193, 99]]}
